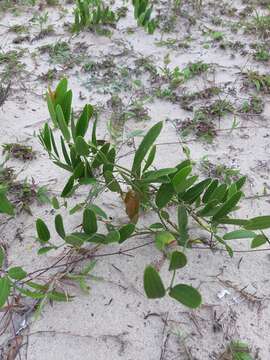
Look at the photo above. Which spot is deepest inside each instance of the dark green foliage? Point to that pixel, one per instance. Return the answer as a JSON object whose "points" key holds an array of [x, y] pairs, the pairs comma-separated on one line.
{"points": [[91, 13], [92, 162], [142, 13]]}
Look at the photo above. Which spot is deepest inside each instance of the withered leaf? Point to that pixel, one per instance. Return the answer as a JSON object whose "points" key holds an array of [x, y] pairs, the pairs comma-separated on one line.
{"points": [[132, 202]]}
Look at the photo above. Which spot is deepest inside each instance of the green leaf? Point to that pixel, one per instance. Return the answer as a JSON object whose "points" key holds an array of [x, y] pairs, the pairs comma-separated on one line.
{"points": [[219, 193], [112, 237], [150, 158], [98, 211], [62, 123], [239, 234], [59, 226], [163, 238], [74, 240], [229, 221], [164, 195], [241, 182], [111, 182], [144, 147], [179, 179], [258, 223], [193, 193], [153, 176], [125, 232], [89, 221], [259, 240], [153, 285], [17, 273], [47, 137], [51, 109], [5, 206], [111, 160], [68, 189], [81, 146], [178, 260], [55, 203], [78, 172], [182, 217], [53, 143], [32, 294], [186, 295], [61, 90], [2, 257], [183, 164], [231, 191], [45, 249], [228, 206], [66, 105], [101, 156], [209, 209], [211, 188], [42, 231], [83, 122], [4, 290], [64, 151], [156, 226], [58, 296]]}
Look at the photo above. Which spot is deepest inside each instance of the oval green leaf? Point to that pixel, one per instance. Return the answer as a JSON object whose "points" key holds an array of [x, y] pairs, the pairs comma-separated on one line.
{"points": [[42, 231], [153, 285], [186, 295], [178, 260]]}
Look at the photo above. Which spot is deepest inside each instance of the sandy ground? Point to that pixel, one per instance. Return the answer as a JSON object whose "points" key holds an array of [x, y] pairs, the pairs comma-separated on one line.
{"points": [[116, 321]]}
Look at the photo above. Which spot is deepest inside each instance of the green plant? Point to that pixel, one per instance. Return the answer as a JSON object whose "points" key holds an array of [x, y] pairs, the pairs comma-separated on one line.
{"points": [[254, 105], [5, 205], [18, 151], [261, 54], [260, 81], [142, 13], [261, 24], [92, 162], [237, 350], [90, 13]]}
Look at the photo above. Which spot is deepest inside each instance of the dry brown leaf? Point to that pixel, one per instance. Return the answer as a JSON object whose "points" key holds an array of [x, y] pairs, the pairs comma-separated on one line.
{"points": [[132, 202]]}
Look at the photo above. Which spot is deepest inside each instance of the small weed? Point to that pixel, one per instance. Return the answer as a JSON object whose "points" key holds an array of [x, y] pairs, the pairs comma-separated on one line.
{"points": [[7, 175], [216, 35], [237, 350], [18, 151], [89, 14], [208, 93], [23, 194], [18, 29], [137, 112], [11, 64], [260, 24], [60, 52], [49, 76], [262, 54], [219, 108], [220, 171], [254, 105], [202, 124], [176, 77], [4, 91], [194, 69], [260, 81]]}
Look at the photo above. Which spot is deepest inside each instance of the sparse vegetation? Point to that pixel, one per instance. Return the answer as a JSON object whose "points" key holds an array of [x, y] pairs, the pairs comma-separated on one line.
{"points": [[143, 189]]}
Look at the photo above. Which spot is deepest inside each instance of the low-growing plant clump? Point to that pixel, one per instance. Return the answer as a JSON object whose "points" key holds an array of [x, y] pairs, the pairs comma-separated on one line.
{"points": [[209, 203]]}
